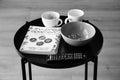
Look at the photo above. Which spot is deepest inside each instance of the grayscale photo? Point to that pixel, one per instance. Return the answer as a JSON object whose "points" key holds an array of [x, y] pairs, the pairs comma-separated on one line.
{"points": [[59, 39]]}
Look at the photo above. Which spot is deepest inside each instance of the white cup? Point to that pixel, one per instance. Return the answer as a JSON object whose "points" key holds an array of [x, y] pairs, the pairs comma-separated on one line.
{"points": [[74, 15], [51, 19]]}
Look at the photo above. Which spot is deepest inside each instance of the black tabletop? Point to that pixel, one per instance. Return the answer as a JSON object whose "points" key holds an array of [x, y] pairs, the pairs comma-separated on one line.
{"points": [[90, 50]]}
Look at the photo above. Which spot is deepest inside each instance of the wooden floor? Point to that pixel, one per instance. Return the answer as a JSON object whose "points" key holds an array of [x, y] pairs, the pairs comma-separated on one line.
{"points": [[105, 14]]}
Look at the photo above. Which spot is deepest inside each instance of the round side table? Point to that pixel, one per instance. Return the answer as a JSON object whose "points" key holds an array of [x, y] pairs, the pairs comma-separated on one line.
{"points": [[90, 51]]}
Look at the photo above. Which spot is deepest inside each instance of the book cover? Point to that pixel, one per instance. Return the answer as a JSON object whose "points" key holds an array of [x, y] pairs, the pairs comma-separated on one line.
{"points": [[41, 40]]}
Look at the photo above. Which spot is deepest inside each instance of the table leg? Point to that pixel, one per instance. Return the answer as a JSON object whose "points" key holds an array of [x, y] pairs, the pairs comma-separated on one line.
{"points": [[30, 71], [23, 61], [95, 68], [86, 71]]}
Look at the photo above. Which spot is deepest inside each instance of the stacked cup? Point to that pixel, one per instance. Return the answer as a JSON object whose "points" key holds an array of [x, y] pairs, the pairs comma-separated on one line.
{"points": [[74, 15]]}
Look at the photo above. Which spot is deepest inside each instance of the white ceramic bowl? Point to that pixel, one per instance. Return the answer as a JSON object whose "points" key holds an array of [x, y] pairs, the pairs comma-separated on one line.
{"points": [[77, 33]]}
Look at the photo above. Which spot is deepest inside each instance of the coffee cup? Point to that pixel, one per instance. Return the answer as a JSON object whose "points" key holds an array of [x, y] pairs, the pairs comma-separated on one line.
{"points": [[74, 15], [51, 19]]}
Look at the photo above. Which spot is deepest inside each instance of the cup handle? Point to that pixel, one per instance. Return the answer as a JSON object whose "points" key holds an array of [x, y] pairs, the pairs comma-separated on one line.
{"points": [[60, 20], [66, 20]]}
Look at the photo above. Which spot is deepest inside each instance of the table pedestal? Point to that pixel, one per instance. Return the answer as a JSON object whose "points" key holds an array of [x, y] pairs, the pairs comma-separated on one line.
{"points": [[24, 61]]}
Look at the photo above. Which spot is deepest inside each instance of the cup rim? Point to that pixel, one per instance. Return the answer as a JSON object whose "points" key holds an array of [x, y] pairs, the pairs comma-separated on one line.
{"points": [[57, 15], [81, 12]]}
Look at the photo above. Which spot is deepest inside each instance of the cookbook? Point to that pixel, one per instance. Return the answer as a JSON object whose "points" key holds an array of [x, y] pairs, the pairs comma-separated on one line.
{"points": [[41, 40]]}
